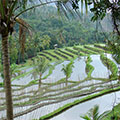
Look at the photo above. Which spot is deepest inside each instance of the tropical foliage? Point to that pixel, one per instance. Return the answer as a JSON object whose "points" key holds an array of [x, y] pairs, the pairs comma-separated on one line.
{"points": [[67, 69], [40, 65], [89, 68], [9, 15], [93, 114]]}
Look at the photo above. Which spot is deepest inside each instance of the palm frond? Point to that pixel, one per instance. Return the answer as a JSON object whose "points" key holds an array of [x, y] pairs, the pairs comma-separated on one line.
{"points": [[11, 10], [82, 6], [67, 69], [103, 115], [95, 112], [86, 117], [23, 29], [65, 7], [22, 38], [86, 5], [24, 24], [64, 69], [40, 65]]}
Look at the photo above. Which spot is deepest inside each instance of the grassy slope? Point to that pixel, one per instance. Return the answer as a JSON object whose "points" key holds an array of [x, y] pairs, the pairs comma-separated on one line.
{"points": [[110, 65]]}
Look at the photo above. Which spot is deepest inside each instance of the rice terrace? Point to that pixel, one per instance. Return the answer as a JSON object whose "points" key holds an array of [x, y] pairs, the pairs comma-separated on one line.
{"points": [[97, 77], [59, 59]]}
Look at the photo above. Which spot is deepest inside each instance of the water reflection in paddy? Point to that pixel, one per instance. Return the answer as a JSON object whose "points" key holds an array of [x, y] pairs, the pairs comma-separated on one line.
{"points": [[57, 73], [105, 102], [75, 112], [26, 79], [77, 75], [44, 110], [78, 70], [100, 71]]}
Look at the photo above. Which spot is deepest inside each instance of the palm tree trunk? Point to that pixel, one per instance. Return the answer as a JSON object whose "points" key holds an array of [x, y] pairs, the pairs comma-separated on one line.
{"points": [[66, 81], [6, 68], [40, 80]]}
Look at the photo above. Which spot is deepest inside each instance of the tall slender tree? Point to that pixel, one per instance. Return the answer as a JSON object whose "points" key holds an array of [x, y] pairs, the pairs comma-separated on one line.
{"points": [[67, 69], [10, 10], [40, 66]]}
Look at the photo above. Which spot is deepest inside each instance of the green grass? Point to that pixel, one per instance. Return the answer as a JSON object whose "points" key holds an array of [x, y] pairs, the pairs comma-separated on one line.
{"points": [[116, 113], [69, 49], [89, 68], [110, 65], [46, 56], [75, 51], [67, 53], [84, 50], [54, 54], [101, 46], [98, 50], [62, 54]]}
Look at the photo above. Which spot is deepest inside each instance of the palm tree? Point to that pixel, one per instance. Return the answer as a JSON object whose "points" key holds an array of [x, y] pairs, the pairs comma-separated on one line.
{"points": [[13, 71], [8, 18], [40, 66], [7, 22], [94, 114], [67, 69]]}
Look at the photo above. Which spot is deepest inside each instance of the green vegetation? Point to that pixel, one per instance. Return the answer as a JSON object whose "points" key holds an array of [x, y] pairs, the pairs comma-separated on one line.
{"points": [[62, 54], [101, 46], [67, 69], [71, 50], [50, 31], [94, 114], [89, 68], [114, 114], [22, 75], [1, 84], [84, 50], [94, 49], [110, 65], [51, 68], [67, 53], [46, 56], [54, 55], [40, 65], [76, 102]]}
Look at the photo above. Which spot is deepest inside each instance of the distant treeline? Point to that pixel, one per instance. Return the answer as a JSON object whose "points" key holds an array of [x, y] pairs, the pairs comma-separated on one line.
{"points": [[48, 29]]}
